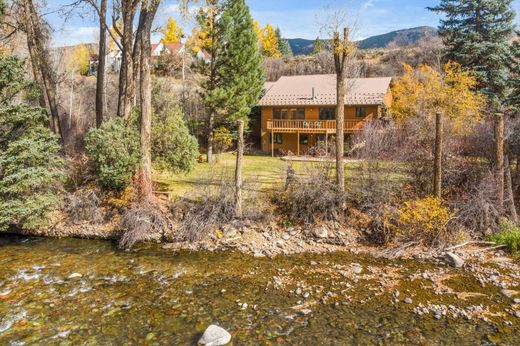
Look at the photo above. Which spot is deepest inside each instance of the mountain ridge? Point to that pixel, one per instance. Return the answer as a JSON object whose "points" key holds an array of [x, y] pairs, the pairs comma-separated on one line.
{"points": [[402, 37]]}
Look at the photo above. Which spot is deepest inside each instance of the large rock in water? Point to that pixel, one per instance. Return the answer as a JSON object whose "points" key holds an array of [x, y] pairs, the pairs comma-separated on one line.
{"points": [[215, 336], [454, 260]]}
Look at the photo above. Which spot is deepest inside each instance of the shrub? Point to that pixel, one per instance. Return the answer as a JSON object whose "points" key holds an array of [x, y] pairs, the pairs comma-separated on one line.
{"points": [[84, 205], [425, 220], [31, 168], [222, 140], [313, 197], [113, 150], [509, 236], [173, 147], [143, 222]]}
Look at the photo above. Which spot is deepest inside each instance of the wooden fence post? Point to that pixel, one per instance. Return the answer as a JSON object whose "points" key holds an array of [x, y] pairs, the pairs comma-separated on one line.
{"points": [[499, 138], [238, 170], [437, 179]]}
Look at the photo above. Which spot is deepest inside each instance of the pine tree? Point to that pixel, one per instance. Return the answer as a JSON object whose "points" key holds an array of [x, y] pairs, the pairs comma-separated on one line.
{"points": [[283, 44], [317, 47], [476, 35], [240, 75], [514, 78], [286, 49]]}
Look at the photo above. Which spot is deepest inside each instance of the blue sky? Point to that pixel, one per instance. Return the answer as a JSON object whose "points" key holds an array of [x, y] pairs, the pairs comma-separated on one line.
{"points": [[296, 18]]}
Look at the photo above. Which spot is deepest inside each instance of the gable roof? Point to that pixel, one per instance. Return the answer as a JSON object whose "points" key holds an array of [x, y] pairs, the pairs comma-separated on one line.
{"points": [[320, 90]]}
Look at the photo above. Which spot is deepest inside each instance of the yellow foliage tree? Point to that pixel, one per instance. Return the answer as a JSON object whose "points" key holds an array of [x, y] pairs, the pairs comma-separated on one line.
{"points": [[270, 42], [201, 38], [172, 33], [424, 91], [78, 60], [267, 41]]}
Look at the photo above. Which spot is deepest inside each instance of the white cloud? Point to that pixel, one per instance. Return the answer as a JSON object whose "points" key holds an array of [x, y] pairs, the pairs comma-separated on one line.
{"points": [[72, 35]]}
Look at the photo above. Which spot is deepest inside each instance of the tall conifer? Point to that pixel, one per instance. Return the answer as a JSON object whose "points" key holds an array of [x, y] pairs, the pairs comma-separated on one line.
{"points": [[240, 76], [476, 34]]}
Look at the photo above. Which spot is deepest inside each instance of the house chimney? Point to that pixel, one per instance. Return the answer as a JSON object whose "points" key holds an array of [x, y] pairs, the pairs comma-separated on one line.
{"points": [[313, 94]]}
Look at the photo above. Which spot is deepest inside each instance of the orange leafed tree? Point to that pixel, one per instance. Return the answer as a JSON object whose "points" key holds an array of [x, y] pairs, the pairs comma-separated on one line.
{"points": [[424, 91]]}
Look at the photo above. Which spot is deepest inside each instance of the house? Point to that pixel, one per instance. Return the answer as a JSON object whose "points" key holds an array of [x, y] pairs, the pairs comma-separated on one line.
{"points": [[298, 112]]}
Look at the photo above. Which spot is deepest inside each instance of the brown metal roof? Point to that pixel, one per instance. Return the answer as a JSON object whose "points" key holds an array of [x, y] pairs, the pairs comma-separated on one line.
{"points": [[320, 90]]}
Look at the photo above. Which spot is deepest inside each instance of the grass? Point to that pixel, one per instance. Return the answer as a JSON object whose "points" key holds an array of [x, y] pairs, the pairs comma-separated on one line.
{"points": [[267, 173], [508, 236]]}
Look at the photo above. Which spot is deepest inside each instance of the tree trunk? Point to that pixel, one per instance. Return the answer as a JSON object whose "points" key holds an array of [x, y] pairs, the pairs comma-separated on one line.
{"points": [[341, 51], [146, 19], [509, 187], [36, 42], [211, 125], [238, 170], [101, 71], [126, 75], [340, 120], [499, 138], [437, 181]]}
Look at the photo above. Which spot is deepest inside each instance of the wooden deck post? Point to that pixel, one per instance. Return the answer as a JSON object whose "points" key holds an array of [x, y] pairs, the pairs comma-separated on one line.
{"points": [[272, 143], [298, 142]]}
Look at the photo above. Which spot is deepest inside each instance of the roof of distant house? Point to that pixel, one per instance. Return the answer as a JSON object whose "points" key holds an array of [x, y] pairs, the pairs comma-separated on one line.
{"points": [[320, 90]]}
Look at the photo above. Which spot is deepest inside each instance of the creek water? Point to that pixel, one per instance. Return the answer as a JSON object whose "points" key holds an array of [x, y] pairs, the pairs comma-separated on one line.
{"points": [[85, 292]]}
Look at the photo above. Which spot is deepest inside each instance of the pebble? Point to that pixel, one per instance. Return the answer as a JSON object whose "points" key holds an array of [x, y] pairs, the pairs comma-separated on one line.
{"points": [[314, 263], [408, 300], [454, 260], [397, 294], [517, 314], [306, 295], [306, 312], [258, 255], [75, 276], [516, 300], [298, 291], [509, 293], [357, 270], [215, 336], [286, 236]]}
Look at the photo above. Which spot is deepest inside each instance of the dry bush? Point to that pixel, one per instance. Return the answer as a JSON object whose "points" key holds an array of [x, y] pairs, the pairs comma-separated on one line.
{"points": [[144, 222], [378, 178], [213, 206], [313, 197], [478, 209], [84, 205]]}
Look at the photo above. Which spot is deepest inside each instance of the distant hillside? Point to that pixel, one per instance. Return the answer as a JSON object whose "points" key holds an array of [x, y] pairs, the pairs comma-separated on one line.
{"points": [[403, 37]]}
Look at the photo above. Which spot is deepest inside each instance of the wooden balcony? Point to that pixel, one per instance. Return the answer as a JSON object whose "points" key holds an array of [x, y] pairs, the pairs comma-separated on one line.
{"points": [[313, 126]]}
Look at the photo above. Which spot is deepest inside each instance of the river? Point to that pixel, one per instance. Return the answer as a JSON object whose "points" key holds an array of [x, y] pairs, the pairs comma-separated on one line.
{"points": [[71, 292]]}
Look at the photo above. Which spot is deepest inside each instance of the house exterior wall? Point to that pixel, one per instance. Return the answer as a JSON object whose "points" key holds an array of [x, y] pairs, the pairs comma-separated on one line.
{"points": [[289, 140]]}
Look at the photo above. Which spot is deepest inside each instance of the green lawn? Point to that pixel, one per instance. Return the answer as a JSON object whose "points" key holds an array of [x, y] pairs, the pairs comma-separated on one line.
{"points": [[265, 172]]}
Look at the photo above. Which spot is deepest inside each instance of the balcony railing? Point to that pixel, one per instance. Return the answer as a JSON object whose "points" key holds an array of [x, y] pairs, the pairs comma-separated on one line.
{"points": [[313, 126]]}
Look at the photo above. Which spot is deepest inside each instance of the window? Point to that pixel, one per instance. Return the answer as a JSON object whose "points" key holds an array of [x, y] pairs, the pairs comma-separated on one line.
{"points": [[327, 113], [304, 139], [361, 112], [279, 113], [277, 138], [298, 114], [283, 113]]}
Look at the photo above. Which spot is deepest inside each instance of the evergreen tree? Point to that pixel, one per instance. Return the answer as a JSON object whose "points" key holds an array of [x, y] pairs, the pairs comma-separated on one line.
{"points": [[514, 78], [476, 35], [240, 77], [31, 168], [286, 49], [278, 35], [317, 47]]}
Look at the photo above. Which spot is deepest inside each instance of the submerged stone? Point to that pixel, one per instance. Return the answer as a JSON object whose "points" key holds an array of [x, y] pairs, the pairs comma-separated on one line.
{"points": [[215, 336]]}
